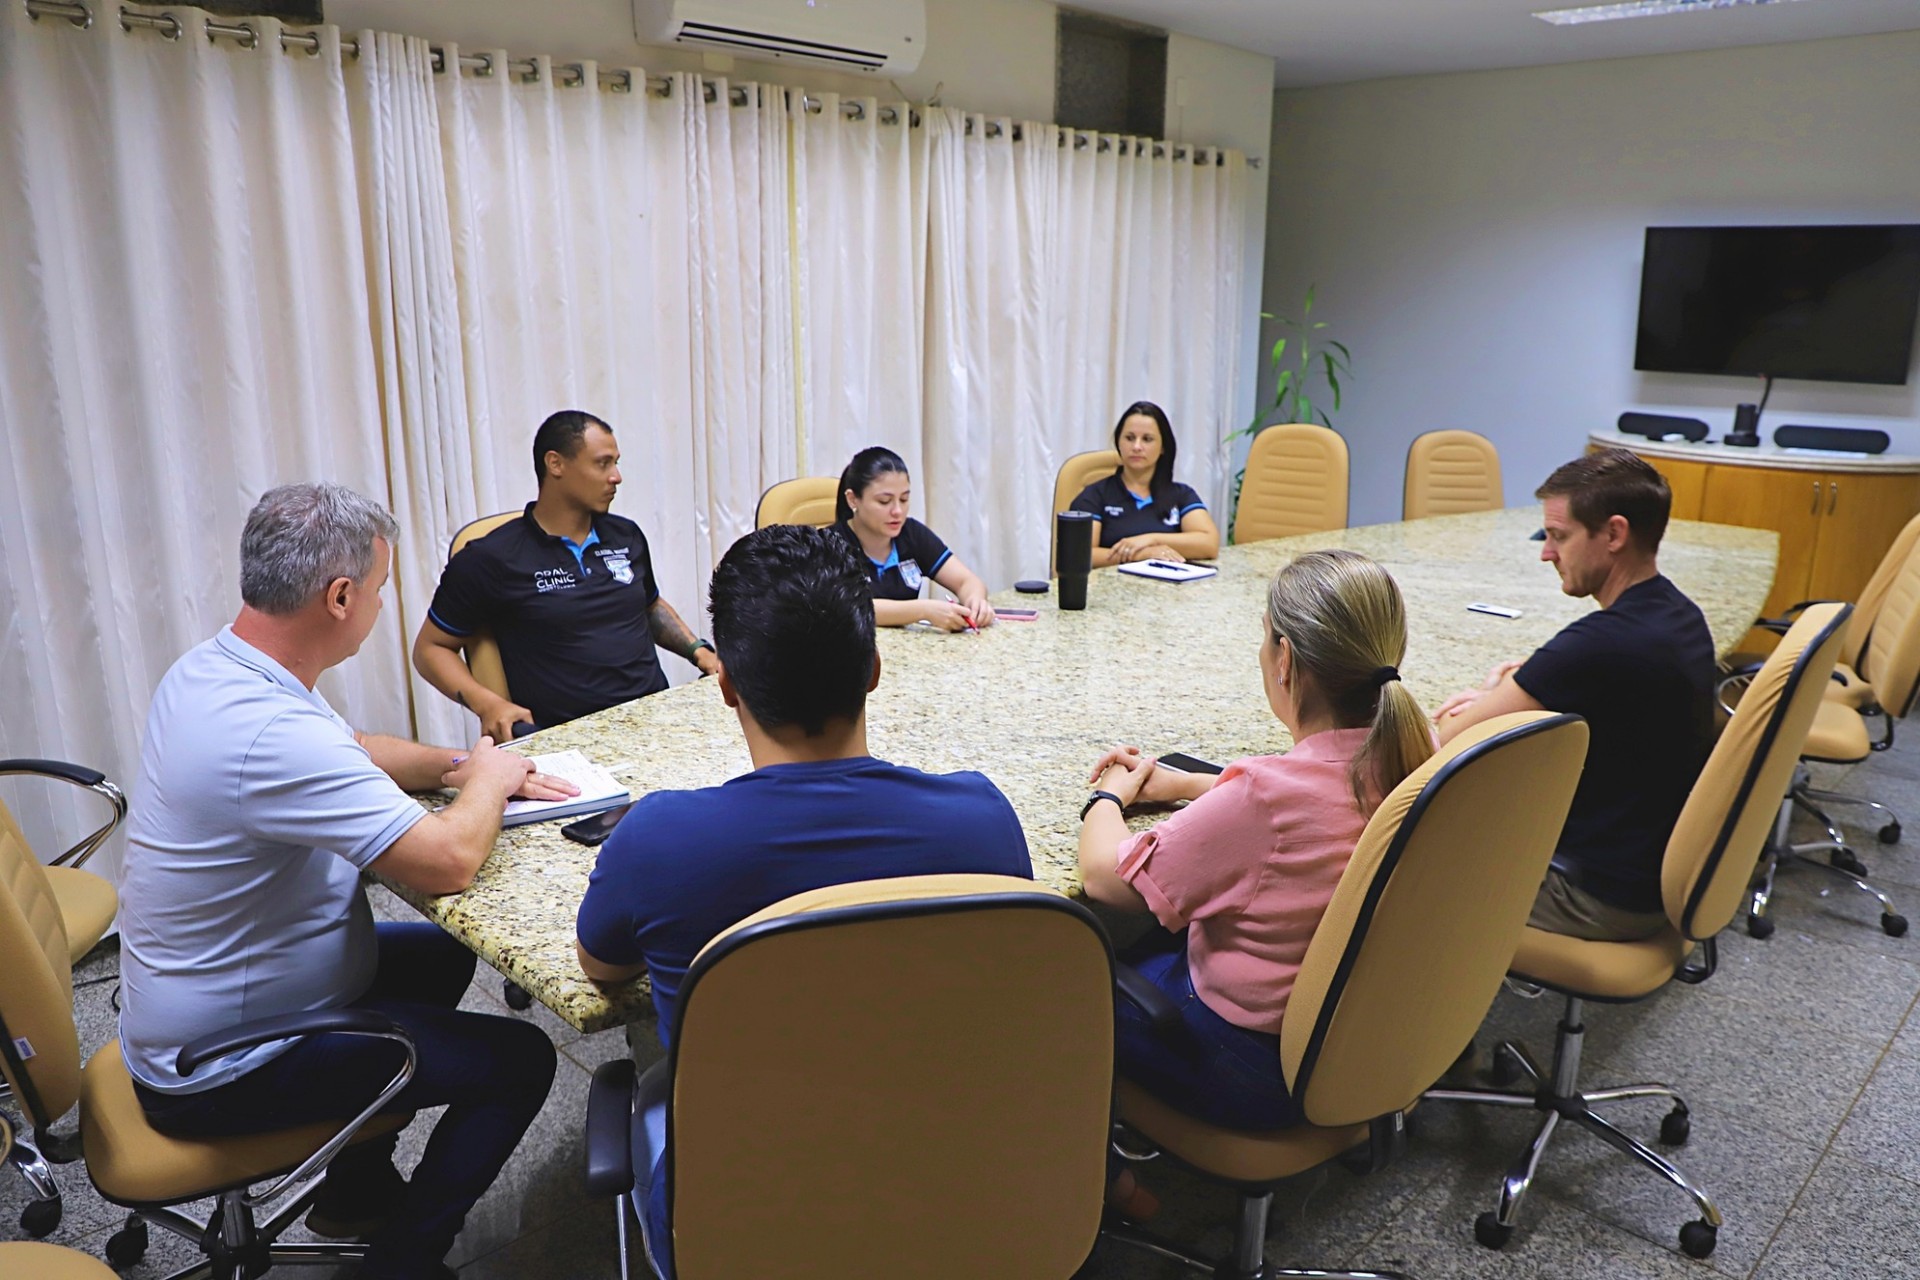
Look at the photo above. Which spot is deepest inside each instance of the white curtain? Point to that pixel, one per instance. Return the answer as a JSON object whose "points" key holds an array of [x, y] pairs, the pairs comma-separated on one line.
{"points": [[415, 318], [226, 268], [183, 324], [568, 230], [1069, 276], [860, 228], [739, 307]]}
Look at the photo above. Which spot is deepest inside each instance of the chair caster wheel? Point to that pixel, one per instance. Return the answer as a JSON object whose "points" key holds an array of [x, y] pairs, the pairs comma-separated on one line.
{"points": [[1504, 1069], [517, 998], [40, 1217], [1698, 1238], [1489, 1231], [1894, 926], [128, 1245], [1759, 926], [1848, 861], [1890, 834], [1675, 1127]]}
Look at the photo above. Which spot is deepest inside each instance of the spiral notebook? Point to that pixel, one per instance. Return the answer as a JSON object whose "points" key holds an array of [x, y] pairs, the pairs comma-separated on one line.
{"points": [[598, 790]]}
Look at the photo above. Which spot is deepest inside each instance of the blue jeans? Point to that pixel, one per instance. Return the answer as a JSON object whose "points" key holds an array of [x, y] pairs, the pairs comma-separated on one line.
{"points": [[491, 1073], [1221, 1073]]}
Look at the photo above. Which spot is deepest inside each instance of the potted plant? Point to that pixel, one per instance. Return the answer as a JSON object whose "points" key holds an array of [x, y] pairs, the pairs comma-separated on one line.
{"points": [[1300, 359]]}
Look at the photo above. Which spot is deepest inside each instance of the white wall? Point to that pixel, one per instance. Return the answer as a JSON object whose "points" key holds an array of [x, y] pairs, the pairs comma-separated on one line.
{"points": [[1476, 238]]}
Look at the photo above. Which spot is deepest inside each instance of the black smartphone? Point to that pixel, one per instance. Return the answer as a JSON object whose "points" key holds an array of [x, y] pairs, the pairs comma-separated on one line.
{"points": [[595, 827], [1186, 763]]}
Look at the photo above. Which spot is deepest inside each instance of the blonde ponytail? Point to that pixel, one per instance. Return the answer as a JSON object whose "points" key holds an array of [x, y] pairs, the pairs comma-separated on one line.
{"points": [[1347, 623]]}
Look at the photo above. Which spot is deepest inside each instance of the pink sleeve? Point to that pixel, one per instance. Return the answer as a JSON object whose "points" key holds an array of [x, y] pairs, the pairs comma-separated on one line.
{"points": [[1204, 860]]}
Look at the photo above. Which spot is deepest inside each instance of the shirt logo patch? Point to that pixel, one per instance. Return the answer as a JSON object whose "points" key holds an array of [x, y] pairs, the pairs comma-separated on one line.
{"points": [[554, 580], [911, 575], [1115, 511], [1173, 519], [621, 568]]}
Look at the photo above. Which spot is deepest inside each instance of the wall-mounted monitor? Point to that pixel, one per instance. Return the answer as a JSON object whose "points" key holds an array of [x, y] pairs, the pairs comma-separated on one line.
{"points": [[1830, 304]]}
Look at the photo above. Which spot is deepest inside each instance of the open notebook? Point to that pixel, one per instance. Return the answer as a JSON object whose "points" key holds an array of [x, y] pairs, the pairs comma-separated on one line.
{"points": [[1168, 570], [598, 790]]}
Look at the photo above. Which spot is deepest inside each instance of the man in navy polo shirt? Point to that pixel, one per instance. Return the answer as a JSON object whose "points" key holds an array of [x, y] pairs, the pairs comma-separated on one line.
{"points": [[793, 619], [567, 591]]}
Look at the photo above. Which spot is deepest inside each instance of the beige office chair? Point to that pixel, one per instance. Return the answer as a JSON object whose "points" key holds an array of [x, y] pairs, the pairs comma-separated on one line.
{"points": [[808, 500], [32, 1261], [1881, 684], [130, 1163], [82, 905], [1709, 862], [1398, 976], [480, 651], [1075, 474], [1295, 482], [890, 1078], [1449, 472]]}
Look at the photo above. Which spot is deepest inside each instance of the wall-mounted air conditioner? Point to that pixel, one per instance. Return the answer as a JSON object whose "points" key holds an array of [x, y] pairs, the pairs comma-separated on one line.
{"points": [[883, 36]]}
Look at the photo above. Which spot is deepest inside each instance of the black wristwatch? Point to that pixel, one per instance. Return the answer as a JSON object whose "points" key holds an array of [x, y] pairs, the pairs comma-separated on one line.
{"points": [[1095, 799], [700, 642]]}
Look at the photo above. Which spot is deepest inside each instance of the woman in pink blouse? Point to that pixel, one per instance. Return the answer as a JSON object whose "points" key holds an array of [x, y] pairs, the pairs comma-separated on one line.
{"points": [[1243, 874]]}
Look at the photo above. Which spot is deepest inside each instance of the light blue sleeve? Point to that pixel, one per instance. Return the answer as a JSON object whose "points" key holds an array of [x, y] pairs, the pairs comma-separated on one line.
{"points": [[305, 781]]}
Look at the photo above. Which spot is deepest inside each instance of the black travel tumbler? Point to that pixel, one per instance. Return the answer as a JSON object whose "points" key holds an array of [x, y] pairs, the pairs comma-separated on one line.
{"points": [[1073, 555]]}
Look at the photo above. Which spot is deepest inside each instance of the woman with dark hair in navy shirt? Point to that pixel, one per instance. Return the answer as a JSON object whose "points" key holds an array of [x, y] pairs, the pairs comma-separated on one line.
{"points": [[1140, 512], [900, 552]]}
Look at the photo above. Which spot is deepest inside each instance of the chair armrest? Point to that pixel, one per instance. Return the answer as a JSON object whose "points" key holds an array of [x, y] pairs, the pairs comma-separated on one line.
{"points": [[1696, 973], [286, 1026], [353, 1022], [1162, 1014], [80, 776], [610, 1129]]}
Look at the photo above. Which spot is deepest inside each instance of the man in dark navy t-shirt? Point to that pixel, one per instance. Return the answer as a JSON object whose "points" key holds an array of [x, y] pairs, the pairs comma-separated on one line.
{"points": [[567, 591], [793, 621], [1640, 669]]}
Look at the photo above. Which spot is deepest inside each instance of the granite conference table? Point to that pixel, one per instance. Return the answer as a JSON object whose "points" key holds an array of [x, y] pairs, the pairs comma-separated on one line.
{"points": [[1171, 667]]}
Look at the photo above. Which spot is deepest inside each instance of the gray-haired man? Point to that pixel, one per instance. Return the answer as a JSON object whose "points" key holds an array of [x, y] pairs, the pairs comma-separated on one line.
{"points": [[255, 811]]}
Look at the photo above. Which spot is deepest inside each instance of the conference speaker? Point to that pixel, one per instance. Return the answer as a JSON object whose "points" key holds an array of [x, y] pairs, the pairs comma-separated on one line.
{"points": [[1655, 425]]}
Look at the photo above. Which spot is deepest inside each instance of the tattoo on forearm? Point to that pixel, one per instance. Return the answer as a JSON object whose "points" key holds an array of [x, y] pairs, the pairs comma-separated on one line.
{"points": [[669, 632]]}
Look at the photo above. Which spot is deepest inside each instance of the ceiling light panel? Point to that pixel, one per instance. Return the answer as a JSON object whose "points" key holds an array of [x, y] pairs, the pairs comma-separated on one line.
{"points": [[1638, 9]]}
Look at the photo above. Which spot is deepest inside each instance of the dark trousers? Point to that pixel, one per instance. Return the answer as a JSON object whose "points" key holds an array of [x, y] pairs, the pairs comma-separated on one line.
{"points": [[1217, 1072], [491, 1073]]}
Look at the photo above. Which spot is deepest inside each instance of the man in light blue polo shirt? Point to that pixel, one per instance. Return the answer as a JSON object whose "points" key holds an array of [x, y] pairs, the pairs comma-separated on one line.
{"points": [[255, 812]]}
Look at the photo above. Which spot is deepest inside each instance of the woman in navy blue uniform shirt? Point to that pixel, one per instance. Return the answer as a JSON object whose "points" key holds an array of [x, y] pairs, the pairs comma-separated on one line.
{"points": [[900, 552], [1139, 512]]}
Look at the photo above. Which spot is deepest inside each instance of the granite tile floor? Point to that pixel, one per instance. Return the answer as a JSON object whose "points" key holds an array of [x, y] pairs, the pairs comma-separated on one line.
{"points": [[1801, 1059]]}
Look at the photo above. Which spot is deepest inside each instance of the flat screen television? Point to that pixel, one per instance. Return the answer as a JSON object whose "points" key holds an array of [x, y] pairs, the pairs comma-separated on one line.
{"points": [[1829, 304]]}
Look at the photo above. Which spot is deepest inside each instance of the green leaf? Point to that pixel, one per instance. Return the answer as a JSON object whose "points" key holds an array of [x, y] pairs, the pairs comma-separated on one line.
{"points": [[1341, 347], [1305, 408], [1279, 349], [1319, 324], [1333, 382], [1309, 307]]}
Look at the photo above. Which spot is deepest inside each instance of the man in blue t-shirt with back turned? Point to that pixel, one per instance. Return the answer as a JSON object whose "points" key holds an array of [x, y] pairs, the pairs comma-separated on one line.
{"points": [[1640, 668], [793, 626]]}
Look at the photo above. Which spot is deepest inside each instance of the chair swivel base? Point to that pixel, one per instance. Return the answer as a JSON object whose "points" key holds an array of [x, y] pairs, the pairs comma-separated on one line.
{"points": [[1832, 855], [236, 1247], [1248, 1260], [44, 1210], [1558, 1097]]}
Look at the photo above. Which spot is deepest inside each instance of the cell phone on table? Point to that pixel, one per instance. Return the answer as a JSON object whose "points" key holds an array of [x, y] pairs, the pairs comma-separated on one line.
{"points": [[595, 827], [1185, 763]]}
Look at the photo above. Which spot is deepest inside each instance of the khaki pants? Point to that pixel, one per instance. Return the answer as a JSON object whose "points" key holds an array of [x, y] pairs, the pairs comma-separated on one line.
{"points": [[1563, 907]]}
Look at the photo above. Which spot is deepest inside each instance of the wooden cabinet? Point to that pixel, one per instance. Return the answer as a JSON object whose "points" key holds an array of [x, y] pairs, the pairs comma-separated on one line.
{"points": [[1834, 525]]}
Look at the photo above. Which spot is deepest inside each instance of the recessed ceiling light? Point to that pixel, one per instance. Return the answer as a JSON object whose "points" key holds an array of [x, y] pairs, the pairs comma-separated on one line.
{"points": [[1637, 9]]}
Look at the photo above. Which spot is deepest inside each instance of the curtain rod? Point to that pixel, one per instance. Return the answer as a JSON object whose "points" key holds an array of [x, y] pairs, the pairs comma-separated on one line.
{"points": [[572, 75]]}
